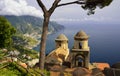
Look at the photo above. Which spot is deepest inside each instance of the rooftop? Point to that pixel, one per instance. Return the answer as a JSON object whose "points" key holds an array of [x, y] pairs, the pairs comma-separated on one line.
{"points": [[101, 66], [81, 34], [61, 37]]}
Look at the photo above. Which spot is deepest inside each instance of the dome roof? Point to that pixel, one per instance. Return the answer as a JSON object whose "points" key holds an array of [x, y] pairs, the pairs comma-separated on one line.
{"points": [[61, 37], [81, 34]]}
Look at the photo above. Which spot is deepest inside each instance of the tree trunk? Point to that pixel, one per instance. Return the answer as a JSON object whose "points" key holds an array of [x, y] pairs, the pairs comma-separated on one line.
{"points": [[43, 42]]}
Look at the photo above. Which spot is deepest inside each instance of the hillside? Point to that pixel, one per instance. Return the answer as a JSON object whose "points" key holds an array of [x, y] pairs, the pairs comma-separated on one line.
{"points": [[31, 25], [29, 29]]}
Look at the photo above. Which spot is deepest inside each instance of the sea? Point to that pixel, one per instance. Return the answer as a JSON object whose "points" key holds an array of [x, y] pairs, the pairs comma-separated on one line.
{"points": [[104, 41]]}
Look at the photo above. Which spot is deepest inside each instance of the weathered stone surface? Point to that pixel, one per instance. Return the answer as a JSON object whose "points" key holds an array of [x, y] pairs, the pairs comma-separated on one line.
{"points": [[81, 72], [60, 54], [116, 65], [57, 56], [111, 72], [97, 72]]}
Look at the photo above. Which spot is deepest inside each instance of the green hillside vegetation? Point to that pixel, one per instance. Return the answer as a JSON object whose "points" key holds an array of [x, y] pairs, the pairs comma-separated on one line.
{"points": [[32, 53], [14, 69], [29, 29], [30, 24], [28, 42], [16, 45], [28, 33], [2, 54], [6, 32]]}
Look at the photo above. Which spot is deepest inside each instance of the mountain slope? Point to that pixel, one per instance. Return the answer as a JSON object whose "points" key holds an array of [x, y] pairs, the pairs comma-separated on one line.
{"points": [[29, 24], [29, 30]]}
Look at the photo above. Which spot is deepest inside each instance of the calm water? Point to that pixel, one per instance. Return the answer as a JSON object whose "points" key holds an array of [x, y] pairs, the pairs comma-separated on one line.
{"points": [[104, 40]]}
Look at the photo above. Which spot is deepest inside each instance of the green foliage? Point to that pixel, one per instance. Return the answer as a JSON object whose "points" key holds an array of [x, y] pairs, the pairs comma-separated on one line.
{"points": [[13, 69], [31, 41], [46, 72], [92, 4], [32, 53], [14, 66], [2, 54], [21, 43], [6, 32], [6, 72], [24, 41]]}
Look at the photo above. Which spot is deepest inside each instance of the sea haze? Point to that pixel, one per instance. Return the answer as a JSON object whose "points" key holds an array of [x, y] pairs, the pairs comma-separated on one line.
{"points": [[104, 40]]}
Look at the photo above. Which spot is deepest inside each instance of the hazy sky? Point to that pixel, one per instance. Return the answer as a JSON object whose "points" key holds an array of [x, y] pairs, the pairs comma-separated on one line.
{"points": [[71, 13]]}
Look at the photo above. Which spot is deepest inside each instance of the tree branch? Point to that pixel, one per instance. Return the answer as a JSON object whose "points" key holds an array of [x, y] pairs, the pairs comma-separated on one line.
{"points": [[42, 6], [74, 2], [54, 5]]}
